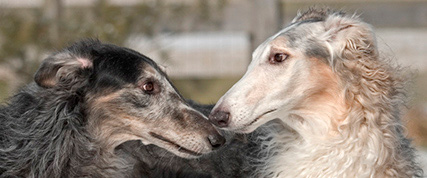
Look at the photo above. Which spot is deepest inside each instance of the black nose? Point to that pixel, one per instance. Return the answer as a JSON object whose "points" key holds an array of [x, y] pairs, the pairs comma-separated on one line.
{"points": [[220, 118], [216, 141]]}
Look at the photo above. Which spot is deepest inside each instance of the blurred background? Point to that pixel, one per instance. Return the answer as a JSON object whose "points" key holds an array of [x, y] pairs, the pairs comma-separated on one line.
{"points": [[205, 45]]}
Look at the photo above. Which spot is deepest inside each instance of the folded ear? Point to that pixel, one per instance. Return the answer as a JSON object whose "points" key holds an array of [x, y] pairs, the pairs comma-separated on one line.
{"points": [[349, 38], [62, 67]]}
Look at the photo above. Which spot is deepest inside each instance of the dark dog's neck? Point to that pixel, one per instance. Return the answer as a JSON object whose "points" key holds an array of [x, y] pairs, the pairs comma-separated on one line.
{"points": [[41, 138]]}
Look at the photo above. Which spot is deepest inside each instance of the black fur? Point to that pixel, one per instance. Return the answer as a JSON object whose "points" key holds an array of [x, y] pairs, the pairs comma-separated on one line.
{"points": [[43, 134]]}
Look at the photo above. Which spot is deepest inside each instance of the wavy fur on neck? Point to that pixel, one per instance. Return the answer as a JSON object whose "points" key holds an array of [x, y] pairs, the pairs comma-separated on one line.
{"points": [[358, 131], [66, 151]]}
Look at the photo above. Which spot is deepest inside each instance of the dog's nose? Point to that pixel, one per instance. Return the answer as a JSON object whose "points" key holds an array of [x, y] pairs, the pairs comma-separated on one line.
{"points": [[216, 141], [220, 118]]}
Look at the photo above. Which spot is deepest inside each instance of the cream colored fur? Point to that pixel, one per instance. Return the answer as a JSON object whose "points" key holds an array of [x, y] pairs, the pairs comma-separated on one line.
{"points": [[340, 117]]}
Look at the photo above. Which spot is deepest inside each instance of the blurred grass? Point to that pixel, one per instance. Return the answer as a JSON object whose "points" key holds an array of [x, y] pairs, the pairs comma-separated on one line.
{"points": [[416, 117], [4, 88], [420, 88], [205, 91]]}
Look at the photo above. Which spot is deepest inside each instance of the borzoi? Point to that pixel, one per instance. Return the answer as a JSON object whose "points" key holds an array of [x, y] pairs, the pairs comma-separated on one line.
{"points": [[337, 103], [86, 101]]}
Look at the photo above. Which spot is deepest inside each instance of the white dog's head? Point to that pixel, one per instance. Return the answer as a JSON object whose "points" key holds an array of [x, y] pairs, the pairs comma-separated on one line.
{"points": [[292, 72]]}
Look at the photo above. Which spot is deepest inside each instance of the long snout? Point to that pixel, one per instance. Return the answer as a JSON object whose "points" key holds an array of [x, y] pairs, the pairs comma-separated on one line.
{"points": [[235, 109], [223, 115]]}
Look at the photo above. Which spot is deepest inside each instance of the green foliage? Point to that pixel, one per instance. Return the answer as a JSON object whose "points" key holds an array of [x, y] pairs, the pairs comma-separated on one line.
{"points": [[110, 23], [23, 28], [27, 35], [206, 91]]}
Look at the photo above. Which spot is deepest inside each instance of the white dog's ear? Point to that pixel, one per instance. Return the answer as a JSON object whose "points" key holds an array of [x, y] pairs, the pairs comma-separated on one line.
{"points": [[349, 37]]}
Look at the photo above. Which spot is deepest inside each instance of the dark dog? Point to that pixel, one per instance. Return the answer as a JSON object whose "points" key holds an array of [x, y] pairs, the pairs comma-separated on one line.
{"points": [[230, 161], [86, 102]]}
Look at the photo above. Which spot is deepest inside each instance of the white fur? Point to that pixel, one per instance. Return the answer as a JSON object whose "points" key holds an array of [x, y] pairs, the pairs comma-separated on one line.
{"points": [[335, 118]]}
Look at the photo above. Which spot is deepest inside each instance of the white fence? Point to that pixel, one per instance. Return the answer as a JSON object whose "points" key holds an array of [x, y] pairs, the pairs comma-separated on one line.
{"points": [[203, 55]]}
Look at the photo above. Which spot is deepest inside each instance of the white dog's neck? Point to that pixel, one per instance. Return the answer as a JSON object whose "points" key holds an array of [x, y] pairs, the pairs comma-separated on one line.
{"points": [[300, 149], [296, 157]]}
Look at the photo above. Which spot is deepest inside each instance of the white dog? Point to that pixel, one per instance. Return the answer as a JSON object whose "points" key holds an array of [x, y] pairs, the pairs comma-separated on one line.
{"points": [[337, 101]]}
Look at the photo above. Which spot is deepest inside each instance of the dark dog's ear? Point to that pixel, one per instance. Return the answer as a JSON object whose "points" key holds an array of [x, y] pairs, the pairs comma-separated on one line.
{"points": [[61, 67]]}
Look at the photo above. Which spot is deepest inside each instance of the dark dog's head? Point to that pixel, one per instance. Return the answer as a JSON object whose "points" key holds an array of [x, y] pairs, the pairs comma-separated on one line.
{"points": [[125, 96]]}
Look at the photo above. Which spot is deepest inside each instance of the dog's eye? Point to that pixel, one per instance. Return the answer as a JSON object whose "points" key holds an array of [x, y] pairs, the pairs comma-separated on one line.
{"points": [[148, 87], [278, 57]]}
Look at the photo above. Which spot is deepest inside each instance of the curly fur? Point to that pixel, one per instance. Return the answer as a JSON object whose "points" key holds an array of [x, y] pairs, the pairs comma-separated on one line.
{"points": [[369, 140], [334, 104]]}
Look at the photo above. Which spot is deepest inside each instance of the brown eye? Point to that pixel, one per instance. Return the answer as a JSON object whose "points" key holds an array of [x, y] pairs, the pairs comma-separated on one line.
{"points": [[278, 57], [148, 87]]}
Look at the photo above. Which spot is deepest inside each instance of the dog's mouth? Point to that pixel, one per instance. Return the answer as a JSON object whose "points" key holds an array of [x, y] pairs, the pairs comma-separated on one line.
{"points": [[178, 147], [259, 117], [245, 127]]}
